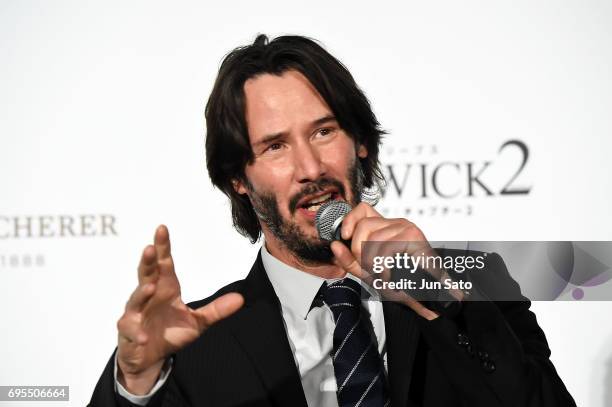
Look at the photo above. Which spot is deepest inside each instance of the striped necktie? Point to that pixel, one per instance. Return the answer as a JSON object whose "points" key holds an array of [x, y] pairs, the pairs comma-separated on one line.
{"points": [[357, 363]]}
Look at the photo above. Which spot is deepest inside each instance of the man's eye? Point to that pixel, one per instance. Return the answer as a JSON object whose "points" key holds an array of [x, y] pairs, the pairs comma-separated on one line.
{"points": [[274, 146], [325, 131]]}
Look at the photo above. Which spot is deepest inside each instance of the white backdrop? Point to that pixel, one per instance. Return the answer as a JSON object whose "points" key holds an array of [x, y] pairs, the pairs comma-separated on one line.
{"points": [[102, 114]]}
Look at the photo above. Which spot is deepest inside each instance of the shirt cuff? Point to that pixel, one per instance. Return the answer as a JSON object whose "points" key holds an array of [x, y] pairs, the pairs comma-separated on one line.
{"points": [[144, 399]]}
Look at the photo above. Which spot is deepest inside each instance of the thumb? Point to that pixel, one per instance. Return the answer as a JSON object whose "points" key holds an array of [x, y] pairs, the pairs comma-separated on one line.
{"points": [[344, 258], [218, 309]]}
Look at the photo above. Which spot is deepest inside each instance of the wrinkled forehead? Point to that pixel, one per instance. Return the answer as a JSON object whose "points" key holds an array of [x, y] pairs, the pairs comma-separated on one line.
{"points": [[281, 103]]}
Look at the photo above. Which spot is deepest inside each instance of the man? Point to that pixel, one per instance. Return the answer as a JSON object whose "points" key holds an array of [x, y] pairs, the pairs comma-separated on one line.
{"points": [[287, 130]]}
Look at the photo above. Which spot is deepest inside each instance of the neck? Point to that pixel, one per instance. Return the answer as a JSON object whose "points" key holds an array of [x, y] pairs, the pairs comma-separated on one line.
{"points": [[278, 250]]}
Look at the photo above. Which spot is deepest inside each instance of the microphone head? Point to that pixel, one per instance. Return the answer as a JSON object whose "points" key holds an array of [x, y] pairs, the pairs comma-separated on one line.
{"points": [[329, 218]]}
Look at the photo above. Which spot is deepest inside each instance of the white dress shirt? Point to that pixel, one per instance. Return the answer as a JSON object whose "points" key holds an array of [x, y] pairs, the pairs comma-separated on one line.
{"points": [[309, 330]]}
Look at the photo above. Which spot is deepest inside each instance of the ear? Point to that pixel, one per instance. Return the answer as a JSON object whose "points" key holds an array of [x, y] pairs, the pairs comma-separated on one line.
{"points": [[239, 186], [362, 151]]}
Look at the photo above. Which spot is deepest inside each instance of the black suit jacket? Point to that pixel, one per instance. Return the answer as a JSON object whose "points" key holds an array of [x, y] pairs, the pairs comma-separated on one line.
{"points": [[246, 360]]}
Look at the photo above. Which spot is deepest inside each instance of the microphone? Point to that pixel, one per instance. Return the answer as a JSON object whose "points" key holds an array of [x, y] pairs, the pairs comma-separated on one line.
{"points": [[328, 222]]}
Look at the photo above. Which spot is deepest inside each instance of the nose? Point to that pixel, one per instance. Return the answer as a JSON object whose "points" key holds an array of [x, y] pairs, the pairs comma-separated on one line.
{"points": [[309, 166]]}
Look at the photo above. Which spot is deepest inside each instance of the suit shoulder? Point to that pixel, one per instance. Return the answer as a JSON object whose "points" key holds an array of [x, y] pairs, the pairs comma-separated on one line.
{"points": [[235, 287]]}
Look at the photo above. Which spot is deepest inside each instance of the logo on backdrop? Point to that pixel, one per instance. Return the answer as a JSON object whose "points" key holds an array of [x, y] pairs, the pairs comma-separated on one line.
{"points": [[427, 180], [16, 230], [56, 226]]}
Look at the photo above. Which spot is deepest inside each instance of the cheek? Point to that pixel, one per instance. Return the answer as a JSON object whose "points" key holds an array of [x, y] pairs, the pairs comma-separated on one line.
{"points": [[340, 160], [272, 181], [345, 152], [269, 178]]}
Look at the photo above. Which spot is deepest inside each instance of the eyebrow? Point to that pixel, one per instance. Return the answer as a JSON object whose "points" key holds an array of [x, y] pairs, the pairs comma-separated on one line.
{"points": [[324, 119], [270, 138]]}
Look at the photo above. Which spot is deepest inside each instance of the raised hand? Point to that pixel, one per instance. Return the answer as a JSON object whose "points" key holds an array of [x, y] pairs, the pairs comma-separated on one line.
{"points": [[156, 321]]}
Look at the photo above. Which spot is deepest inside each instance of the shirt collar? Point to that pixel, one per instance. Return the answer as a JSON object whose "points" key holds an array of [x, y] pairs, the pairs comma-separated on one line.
{"points": [[296, 289]]}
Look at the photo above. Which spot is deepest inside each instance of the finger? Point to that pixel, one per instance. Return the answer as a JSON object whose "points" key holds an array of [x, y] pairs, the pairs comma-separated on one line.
{"points": [[139, 297], [363, 210], [413, 304], [364, 228], [344, 258], [413, 235], [162, 242], [129, 329], [390, 232], [148, 267], [219, 309], [383, 242]]}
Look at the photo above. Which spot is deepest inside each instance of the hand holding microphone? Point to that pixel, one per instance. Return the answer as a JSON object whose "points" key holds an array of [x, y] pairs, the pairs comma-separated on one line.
{"points": [[348, 228]]}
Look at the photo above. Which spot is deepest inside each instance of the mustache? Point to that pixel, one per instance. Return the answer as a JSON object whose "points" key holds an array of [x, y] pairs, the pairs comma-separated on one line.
{"points": [[313, 188]]}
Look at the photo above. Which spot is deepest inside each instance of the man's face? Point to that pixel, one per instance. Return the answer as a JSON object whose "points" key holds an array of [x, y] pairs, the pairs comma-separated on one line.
{"points": [[302, 158]]}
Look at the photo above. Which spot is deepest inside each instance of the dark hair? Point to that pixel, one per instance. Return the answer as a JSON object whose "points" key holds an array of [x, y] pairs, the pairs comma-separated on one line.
{"points": [[228, 149]]}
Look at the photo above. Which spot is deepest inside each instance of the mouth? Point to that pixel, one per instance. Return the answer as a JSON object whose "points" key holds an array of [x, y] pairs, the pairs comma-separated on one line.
{"points": [[311, 204]]}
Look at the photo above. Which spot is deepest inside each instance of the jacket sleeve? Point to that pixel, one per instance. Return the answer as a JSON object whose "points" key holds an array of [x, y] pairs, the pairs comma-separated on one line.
{"points": [[105, 395], [494, 352]]}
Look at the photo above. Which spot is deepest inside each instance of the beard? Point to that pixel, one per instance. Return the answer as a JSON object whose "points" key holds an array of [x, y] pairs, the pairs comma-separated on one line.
{"points": [[309, 250]]}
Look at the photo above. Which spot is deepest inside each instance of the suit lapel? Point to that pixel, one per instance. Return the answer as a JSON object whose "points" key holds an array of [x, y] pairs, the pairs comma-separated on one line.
{"points": [[402, 338], [259, 328]]}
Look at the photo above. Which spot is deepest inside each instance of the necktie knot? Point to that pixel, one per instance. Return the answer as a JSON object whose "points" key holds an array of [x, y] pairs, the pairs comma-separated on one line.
{"points": [[342, 295]]}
